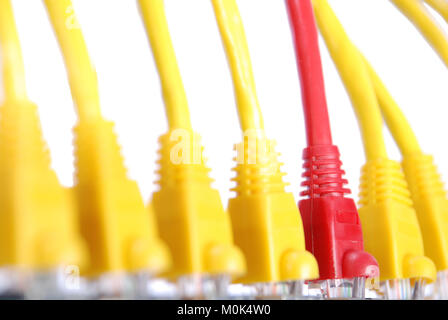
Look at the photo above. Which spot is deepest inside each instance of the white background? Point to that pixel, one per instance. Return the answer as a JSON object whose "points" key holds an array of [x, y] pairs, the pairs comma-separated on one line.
{"points": [[130, 89]]}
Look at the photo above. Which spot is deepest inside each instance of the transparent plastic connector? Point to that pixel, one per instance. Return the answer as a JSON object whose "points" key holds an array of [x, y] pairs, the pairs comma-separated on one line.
{"points": [[12, 283], [439, 289], [146, 286], [200, 286], [60, 283], [112, 286], [271, 290], [238, 291], [289, 290], [403, 289], [161, 289], [354, 288]]}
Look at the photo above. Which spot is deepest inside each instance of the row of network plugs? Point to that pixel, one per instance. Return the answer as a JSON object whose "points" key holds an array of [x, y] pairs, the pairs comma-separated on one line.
{"points": [[394, 245]]}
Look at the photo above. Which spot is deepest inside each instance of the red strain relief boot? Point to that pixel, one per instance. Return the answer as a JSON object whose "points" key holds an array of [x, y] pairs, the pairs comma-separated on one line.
{"points": [[331, 223]]}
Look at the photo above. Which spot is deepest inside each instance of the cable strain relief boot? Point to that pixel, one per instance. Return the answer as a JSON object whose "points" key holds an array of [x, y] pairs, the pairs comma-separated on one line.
{"points": [[332, 227], [190, 215], [323, 173], [38, 227], [258, 170], [266, 221], [21, 136], [125, 237], [391, 229], [431, 204], [181, 161]]}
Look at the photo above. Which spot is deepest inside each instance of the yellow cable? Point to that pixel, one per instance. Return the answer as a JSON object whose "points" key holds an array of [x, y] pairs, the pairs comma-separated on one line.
{"points": [[234, 39], [82, 75], [156, 25], [416, 12], [395, 119], [441, 6], [356, 78], [11, 54]]}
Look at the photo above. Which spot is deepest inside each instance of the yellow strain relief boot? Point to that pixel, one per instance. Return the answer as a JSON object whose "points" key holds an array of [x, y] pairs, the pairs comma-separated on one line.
{"points": [[190, 215], [38, 224], [119, 230], [390, 226], [266, 220], [431, 205]]}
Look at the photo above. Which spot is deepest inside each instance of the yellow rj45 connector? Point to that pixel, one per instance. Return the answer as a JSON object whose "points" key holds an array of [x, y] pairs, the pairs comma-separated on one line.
{"points": [[425, 184], [265, 218], [38, 225], [189, 212], [121, 235], [390, 224]]}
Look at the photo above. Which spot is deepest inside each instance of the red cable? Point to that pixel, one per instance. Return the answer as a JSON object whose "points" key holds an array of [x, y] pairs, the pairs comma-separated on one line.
{"points": [[330, 220], [315, 110]]}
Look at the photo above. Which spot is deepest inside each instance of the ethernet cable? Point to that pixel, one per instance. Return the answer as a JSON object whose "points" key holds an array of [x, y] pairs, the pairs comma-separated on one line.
{"points": [[266, 221], [440, 6], [336, 242], [39, 232], [176, 104], [190, 214], [240, 65], [121, 234], [390, 226], [417, 13], [427, 190]]}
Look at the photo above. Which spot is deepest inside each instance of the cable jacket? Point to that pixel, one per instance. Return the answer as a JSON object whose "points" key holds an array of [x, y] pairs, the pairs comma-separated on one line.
{"points": [[416, 12], [356, 78], [310, 71], [234, 39], [11, 55], [441, 6], [156, 25], [395, 119], [81, 73]]}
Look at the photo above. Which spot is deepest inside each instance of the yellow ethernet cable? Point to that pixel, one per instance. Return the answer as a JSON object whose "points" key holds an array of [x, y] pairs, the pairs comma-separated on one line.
{"points": [[174, 95], [189, 212], [121, 235], [364, 101], [394, 117], [391, 229], [416, 12], [240, 65], [38, 226], [440, 6], [427, 190], [266, 220], [81, 73]]}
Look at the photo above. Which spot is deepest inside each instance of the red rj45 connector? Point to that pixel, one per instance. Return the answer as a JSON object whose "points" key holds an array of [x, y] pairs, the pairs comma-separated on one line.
{"points": [[330, 220], [331, 223]]}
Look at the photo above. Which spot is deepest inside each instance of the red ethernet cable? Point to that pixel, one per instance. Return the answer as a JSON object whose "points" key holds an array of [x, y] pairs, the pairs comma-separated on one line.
{"points": [[331, 223], [311, 76]]}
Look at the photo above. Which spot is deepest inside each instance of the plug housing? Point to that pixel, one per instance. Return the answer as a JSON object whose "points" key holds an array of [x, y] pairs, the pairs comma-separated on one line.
{"points": [[431, 205], [265, 219], [38, 224], [332, 227], [120, 233], [190, 214], [390, 225]]}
